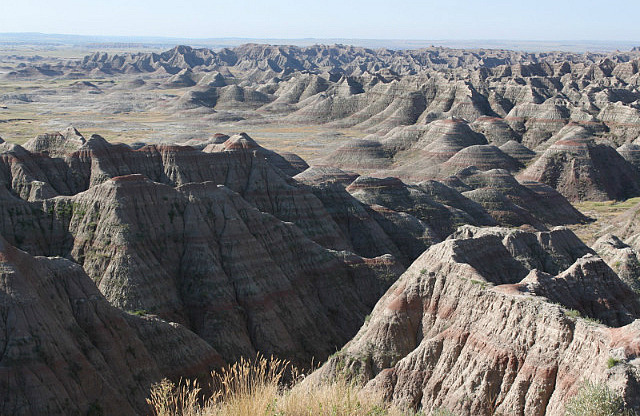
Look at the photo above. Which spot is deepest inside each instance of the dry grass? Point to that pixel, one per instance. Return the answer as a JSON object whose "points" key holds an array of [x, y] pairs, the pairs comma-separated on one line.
{"points": [[258, 387], [603, 212]]}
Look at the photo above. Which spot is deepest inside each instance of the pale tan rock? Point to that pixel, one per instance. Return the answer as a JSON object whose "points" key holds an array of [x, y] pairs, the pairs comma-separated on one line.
{"points": [[459, 330]]}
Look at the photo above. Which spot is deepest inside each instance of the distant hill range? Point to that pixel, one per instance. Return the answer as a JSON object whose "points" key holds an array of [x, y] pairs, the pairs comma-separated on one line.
{"points": [[137, 42]]}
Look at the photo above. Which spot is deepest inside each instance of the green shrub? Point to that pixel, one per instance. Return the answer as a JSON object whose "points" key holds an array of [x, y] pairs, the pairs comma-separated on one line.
{"points": [[572, 313], [596, 399], [612, 362]]}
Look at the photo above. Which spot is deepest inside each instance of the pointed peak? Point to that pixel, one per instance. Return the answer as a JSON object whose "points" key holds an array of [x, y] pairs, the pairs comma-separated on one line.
{"points": [[240, 141], [71, 133]]}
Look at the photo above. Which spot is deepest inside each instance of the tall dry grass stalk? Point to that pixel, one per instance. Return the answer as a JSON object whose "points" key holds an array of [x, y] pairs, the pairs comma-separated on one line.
{"points": [[169, 399], [251, 388]]}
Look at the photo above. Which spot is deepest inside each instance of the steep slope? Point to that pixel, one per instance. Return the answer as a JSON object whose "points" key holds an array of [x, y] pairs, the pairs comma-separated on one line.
{"points": [[66, 350], [518, 151], [583, 170], [536, 200], [395, 195], [223, 241], [626, 226], [465, 328], [621, 258], [387, 216], [203, 256], [254, 172]]}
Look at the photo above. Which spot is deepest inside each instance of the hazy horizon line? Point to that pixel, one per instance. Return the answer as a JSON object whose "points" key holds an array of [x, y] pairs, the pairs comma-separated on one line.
{"points": [[524, 45]]}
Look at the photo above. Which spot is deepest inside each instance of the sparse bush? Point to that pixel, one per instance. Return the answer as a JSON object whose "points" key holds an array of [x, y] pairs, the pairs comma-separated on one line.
{"points": [[612, 362], [572, 313], [596, 399], [593, 320], [139, 312]]}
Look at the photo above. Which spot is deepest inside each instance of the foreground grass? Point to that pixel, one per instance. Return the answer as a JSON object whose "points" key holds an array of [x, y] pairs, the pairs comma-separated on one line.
{"points": [[275, 388], [258, 388]]}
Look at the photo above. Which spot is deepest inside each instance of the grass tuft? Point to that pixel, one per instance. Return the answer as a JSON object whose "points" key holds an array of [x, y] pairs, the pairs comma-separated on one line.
{"points": [[258, 387]]}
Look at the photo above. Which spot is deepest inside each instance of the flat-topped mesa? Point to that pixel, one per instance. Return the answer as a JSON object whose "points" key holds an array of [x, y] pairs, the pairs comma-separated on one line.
{"points": [[580, 169], [461, 325], [86, 353]]}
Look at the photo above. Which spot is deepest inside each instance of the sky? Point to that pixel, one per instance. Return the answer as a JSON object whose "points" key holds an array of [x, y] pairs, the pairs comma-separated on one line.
{"points": [[546, 20]]}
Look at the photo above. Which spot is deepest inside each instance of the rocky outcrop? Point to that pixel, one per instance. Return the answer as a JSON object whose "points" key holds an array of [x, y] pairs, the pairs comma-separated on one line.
{"points": [[621, 258], [289, 164], [387, 216], [360, 222], [499, 189], [583, 170], [591, 288], [203, 256], [201, 249], [465, 328], [56, 144], [254, 172], [504, 95], [631, 153], [495, 129], [397, 196], [66, 350], [518, 151]]}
